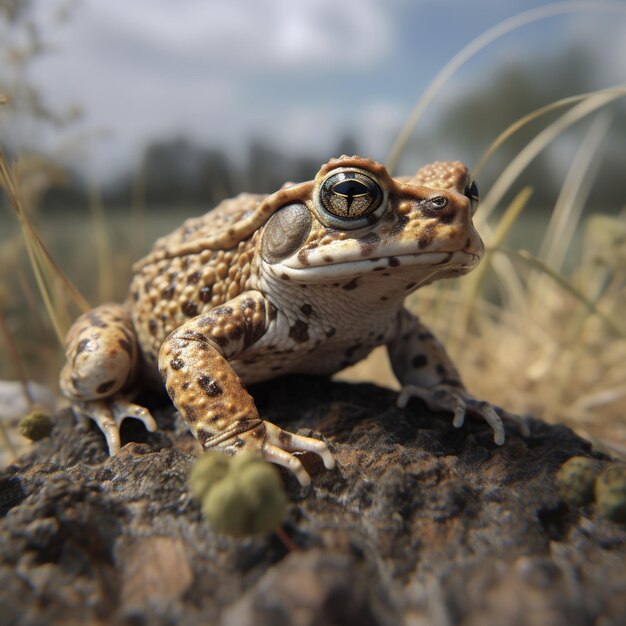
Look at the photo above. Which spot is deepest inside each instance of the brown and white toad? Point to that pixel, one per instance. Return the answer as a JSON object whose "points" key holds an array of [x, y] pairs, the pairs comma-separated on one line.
{"points": [[306, 280]]}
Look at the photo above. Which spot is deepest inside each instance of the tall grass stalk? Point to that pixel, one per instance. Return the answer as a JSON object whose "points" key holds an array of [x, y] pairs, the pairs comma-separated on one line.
{"points": [[546, 137], [46, 271], [475, 46]]}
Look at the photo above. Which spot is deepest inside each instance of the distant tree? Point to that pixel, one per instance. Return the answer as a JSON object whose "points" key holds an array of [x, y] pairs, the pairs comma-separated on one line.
{"points": [[178, 171]]}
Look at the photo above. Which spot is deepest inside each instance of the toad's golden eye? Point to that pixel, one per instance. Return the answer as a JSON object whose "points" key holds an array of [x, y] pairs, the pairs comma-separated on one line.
{"points": [[350, 194]]}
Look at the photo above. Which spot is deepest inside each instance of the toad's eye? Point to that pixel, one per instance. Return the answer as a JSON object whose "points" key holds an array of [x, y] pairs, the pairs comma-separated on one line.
{"points": [[471, 192], [350, 194]]}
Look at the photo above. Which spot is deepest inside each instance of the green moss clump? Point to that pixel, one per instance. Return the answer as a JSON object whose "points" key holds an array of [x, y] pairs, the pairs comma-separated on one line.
{"points": [[575, 480], [35, 426], [239, 496], [610, 491], [206, 472]]}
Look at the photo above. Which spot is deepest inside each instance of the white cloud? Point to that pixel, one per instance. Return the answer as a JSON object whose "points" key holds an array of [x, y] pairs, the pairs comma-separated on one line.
{"points": [[218, 71], [267, 34]]}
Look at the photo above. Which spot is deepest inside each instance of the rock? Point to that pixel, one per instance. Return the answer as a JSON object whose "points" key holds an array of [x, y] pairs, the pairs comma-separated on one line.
{"points": [[420, 524]]}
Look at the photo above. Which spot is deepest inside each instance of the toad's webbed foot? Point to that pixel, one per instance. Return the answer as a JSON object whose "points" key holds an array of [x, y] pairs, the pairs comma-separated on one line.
{"points": [[273, 443], [457, 400], [109, 414]]}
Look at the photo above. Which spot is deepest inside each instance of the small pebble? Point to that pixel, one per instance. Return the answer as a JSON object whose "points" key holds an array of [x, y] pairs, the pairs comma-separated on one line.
{"points": [[35, 426], [575, 480], [610, 491]]}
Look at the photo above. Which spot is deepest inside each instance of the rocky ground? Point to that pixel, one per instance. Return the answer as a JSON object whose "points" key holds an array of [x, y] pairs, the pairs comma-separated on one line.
{"points": [[419, 524]]}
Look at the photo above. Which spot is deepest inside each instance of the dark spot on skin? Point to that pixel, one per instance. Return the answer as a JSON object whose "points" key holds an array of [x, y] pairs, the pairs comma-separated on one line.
{"points": [[419, 360], [152, 327], [303, 257], [193, 278], [206, 293], [171, 392], [272, 310], [299, 331], [384, 298], [168, 292], [82, 346], [468, 243], [189, 308], [235, 332], [135, 295], [185, 385], [307, 309], [258, 432], [222, 311], [125, 345], [206, 320], [368, 244], [172, 276], [386, 274], [410, 285], [216, 418], [210, 386], [190, 413], [427, 237], [399, 225], [353, 284], [327, 258], [222, 342], [284, 438], [441, 370], [104, 387], [177, 364], [248, 303], [330, 332], [285, 276], [447, 218], [96, 321], [393, 261]]}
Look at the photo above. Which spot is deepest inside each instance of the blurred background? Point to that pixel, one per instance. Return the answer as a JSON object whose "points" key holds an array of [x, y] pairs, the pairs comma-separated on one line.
{"points": [[201, 99], [130, 116]]}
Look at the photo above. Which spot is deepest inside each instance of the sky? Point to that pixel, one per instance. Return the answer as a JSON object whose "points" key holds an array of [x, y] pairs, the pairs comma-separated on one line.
{"points": [[298, 74]]}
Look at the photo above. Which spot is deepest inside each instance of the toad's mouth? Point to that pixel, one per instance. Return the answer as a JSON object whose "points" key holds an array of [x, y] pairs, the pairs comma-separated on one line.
{"points": [[418, 265]]}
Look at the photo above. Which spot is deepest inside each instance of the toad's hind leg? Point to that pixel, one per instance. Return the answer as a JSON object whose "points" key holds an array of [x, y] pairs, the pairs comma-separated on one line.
{"points": [[102, 361], [210, 396]]}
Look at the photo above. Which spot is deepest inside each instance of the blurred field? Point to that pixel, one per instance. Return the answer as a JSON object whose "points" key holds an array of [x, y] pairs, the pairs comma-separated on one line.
{"points": [[549, 357]]}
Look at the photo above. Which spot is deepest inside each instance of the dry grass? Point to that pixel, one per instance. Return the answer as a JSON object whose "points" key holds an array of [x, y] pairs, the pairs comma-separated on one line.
{"points": [[551, 343]]}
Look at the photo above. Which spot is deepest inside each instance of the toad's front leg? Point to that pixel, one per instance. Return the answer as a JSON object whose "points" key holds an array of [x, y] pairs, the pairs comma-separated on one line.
{"points": [[425, 371], [209, 395]]}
